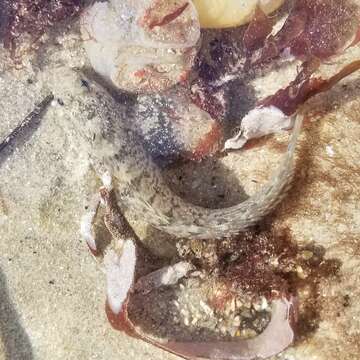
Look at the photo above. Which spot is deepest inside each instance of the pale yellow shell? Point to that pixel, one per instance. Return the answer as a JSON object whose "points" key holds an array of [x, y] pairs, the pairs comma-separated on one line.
{"points": [[230, 13]]}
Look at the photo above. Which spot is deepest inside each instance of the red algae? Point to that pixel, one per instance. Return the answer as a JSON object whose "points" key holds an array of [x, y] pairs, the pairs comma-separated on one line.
{"points": [[169, 17], [257, 31], [304, 87], [34, 18], [209, 144], [314, 28]]}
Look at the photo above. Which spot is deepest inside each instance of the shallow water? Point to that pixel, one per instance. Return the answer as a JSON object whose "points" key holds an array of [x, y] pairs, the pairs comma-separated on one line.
{"points": [[51, 290]]}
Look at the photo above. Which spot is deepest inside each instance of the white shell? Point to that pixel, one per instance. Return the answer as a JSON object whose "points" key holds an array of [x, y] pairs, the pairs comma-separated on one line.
{"points": [[259, 122], [230, 13], [120, 272]]}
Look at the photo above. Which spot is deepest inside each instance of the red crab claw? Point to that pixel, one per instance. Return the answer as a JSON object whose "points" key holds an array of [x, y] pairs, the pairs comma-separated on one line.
{"points": [[278, 335]]}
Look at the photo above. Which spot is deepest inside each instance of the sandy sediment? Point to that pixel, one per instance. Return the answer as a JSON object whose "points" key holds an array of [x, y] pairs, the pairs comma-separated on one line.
{"points": [[51, 289]]}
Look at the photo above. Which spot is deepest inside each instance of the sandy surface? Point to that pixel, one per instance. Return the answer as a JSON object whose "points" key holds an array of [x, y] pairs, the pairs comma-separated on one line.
{"points": [[51, 289]]}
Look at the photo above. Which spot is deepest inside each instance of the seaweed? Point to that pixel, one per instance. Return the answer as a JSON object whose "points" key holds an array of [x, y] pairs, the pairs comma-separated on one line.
{"points": [[33, 18], [314, 28]]}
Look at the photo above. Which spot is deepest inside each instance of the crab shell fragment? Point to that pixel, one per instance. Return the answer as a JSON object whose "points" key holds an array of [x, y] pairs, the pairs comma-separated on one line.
{"points": [[141, 46], [277, 336]]}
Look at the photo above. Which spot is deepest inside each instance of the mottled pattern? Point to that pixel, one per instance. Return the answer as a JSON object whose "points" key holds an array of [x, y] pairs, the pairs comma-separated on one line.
{"points": [[113, 147]]}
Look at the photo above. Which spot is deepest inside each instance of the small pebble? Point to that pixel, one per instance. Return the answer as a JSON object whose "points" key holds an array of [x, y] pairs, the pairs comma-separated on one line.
{"points": [[194, 321], [307, 255], [300, 273], [330, 151], [248, 333], [237, 321], [206, 308]]}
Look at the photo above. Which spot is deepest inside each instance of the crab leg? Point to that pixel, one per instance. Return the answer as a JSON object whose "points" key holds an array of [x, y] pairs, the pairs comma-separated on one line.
{"points": [[87, 222], [120, 257]]}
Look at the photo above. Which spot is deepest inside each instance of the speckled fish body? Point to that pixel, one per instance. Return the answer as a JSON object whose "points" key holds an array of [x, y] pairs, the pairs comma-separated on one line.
{"points": [[114, 147]]}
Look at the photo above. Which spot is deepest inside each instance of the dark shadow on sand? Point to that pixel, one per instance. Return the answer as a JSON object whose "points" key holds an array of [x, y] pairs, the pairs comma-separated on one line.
{"points": [[17, 345]]}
